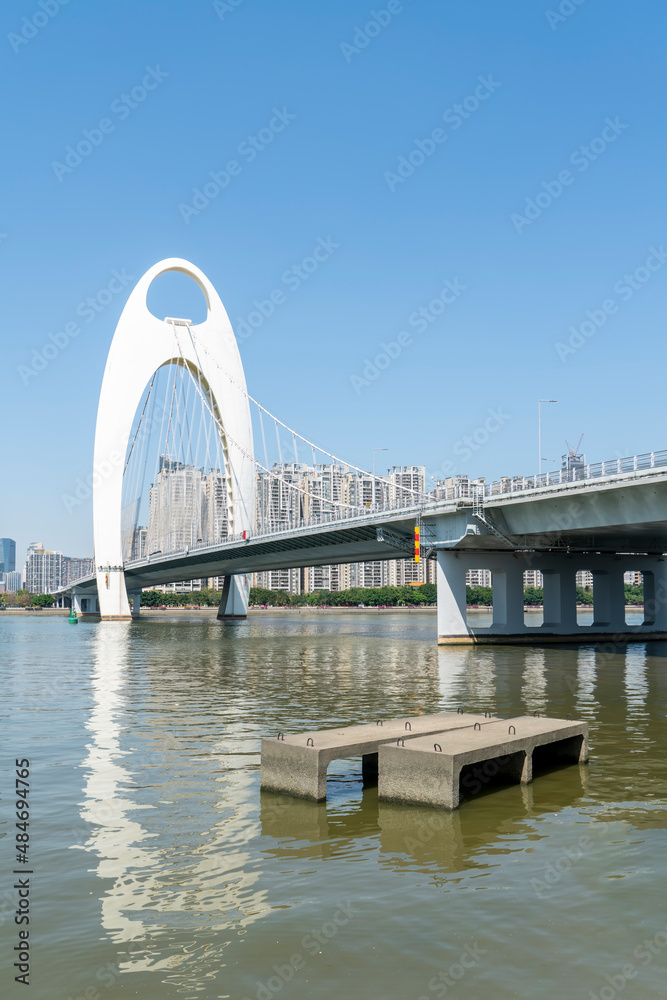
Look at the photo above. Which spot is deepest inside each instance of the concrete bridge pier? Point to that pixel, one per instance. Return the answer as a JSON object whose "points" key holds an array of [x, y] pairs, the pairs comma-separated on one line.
{"points": [[235, 597], [84, 604], [559, 571]]}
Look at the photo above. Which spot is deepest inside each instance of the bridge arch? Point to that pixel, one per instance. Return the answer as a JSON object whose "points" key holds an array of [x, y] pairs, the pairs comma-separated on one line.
{"points": [[141, 345]]}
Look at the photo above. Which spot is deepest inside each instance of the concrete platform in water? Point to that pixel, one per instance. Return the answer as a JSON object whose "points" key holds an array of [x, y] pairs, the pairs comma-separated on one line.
{"points": [[297, 764], [438, 770]]}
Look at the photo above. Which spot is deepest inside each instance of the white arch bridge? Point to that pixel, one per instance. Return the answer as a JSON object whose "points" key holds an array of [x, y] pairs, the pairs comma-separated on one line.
{"points": [[188, 380]]}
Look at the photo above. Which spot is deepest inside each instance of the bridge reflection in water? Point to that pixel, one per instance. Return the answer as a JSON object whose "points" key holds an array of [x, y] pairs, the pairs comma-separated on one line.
{"points": [[202, 880]]}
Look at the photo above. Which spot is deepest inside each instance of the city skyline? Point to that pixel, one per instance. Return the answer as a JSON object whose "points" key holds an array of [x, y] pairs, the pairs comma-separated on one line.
{"points": [[399, 300]]}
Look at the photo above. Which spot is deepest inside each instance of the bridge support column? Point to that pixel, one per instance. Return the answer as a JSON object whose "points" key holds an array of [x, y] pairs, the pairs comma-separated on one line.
{"points": [[235, 596], [560, 597], [114, 603], [559, 587], [508, 596], [609, 599], [451, 582], [135, 603], [76, 602], [655, 595]]}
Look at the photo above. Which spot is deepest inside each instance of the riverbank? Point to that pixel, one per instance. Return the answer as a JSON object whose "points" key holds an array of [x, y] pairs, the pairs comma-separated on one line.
{"points": [[288, 609]]}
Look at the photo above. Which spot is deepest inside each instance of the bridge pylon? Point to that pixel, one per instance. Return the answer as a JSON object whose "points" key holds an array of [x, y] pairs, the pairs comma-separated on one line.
{"points": [[141, 345]]}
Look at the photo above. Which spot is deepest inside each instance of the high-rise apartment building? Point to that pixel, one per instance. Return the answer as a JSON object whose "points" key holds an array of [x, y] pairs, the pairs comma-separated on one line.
{"points": [[185, 507], [46, 571], [294, 492], [74, 568], [43, 569]]}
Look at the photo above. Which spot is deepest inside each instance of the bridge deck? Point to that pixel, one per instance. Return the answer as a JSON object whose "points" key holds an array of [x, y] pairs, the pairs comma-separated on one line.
{"points": [[297, 764], [431, 770]]}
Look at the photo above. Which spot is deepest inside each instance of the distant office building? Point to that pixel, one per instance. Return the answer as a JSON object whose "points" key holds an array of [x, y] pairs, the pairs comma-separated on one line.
{"points": [[7, 555], [14, 581]]}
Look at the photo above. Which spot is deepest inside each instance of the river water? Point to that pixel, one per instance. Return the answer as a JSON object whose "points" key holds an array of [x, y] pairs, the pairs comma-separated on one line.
{"points": [[160, 870]]}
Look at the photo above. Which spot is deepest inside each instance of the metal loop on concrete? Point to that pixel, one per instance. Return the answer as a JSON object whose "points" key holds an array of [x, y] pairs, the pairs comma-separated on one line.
{"points": [[478, 725], [310, 742], [536, 715], [400, 742], [436, 746], [280, 736], [408, 726], [512, 729], [379, 722], [568, 716], [460, 711], [487, 715]]}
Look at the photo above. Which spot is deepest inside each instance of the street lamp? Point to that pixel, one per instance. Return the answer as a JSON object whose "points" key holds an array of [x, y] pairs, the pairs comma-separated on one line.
{"points": [[539, 430], [374, 450]]}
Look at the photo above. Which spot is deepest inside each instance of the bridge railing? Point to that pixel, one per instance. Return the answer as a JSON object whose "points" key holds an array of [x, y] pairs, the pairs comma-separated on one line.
{"points": [[597, 470], [463, 489]]}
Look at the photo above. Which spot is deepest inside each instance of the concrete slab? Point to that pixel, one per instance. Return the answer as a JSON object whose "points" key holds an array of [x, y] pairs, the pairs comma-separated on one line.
{"points": [[535, 637], [432, 770], [296, 764]]}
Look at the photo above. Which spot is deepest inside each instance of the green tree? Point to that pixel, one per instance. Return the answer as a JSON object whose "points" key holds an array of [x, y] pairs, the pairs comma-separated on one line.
{"points": [[584, 596], [43, 600], [275, 598], [634, 595], [479, 595], [533, 595]]}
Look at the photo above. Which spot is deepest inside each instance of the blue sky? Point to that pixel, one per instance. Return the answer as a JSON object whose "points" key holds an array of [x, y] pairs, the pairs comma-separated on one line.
{"points": [[353, 100]]}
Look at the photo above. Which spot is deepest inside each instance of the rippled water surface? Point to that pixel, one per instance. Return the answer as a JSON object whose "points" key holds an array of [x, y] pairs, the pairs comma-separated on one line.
{"points": [[161, 871]]}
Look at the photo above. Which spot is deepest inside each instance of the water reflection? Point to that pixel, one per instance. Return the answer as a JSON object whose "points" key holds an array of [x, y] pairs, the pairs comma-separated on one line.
{"points": [[439, 841], [145, 796], [115, 836], [207, 884]]}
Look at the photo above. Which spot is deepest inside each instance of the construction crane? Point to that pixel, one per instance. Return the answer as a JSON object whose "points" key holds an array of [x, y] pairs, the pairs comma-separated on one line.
{"points": [[573, 459]]}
